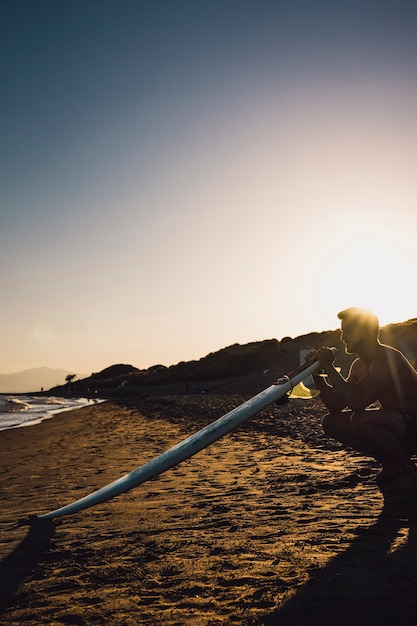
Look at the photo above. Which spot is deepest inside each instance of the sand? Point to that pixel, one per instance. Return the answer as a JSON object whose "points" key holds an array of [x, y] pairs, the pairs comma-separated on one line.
{"points": [[274, 524]]}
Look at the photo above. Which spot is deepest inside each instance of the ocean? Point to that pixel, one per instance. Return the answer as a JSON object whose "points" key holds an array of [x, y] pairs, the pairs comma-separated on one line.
{"points": [[26, 410]]}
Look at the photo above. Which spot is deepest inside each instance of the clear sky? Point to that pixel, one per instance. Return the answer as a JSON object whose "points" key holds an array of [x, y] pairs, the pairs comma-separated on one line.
{"points": [[180, 175]]}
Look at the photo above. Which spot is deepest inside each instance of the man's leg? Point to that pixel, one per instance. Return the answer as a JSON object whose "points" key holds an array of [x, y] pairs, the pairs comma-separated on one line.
{"points": [[357, 430], [383, 432], [339, 426]]}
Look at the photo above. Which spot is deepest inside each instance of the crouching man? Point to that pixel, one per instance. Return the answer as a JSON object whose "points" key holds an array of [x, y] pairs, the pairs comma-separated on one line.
{"points": [[381, 374]]}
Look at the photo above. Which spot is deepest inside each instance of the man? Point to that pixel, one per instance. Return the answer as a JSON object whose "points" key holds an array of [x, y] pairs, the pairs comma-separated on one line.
{"points": [[380, 374]]}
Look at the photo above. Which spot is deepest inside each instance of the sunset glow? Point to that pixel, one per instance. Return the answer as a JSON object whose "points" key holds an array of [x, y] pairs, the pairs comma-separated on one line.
{"points": [[181, 178]]}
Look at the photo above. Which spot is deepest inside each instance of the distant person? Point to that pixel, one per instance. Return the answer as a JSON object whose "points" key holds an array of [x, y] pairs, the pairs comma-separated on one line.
{"points": [[381, 374]]}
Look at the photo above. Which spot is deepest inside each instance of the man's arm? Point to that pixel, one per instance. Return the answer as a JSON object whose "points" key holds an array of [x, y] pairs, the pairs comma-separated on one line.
{"points": [[357, 392], [327, 395], [333, 402]]}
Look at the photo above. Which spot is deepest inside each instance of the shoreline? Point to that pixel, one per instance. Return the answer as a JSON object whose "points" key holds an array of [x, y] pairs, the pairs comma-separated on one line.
{"points": [[272, 524], [40, 411]]}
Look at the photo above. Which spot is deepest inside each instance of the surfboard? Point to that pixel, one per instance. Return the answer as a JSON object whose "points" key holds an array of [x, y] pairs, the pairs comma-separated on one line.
{"points": [[189, 446]]}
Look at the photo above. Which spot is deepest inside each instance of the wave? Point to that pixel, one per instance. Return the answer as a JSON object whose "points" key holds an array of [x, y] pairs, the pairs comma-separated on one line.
{"points": [[17, 411]]}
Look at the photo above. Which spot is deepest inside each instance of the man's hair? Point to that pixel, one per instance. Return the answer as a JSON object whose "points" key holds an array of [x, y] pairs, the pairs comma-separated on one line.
{"points": [[360, 317]]}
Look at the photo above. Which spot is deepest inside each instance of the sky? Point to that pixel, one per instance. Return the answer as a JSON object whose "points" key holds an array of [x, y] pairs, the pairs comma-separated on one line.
{"points": [[180, 175]]}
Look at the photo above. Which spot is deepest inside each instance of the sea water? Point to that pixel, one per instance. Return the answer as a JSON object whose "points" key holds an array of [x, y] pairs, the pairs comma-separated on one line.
{"points": [[26, 410]]}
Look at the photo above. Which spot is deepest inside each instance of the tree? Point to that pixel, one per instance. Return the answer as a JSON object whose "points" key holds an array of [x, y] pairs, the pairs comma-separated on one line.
{"points": [[69, 378]]}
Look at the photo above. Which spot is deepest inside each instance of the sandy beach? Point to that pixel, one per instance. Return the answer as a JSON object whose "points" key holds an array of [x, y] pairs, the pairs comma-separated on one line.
{"points": [[274, 524]]}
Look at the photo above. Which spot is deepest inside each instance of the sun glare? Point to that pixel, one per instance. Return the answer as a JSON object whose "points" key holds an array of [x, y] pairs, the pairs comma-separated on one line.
{"points": [[375, 270]]}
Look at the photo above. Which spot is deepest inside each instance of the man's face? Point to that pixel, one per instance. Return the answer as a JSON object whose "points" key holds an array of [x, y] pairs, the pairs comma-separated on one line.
{"points": [[351, 335]]}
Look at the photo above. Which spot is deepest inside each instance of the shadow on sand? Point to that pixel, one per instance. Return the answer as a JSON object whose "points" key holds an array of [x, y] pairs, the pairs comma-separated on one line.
{"points": [[18, 565], [374, 582]]}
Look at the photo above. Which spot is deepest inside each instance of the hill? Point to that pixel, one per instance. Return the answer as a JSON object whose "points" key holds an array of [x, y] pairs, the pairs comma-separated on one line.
{"points": [[33, 379], [246, 368]]}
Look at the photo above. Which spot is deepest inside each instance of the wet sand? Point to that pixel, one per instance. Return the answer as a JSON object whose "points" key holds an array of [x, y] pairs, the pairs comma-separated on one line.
{"points": [[274, 524]]}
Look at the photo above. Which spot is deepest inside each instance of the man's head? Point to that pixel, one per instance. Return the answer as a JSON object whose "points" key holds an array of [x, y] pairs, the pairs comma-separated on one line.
{"points": [[359, 327]]}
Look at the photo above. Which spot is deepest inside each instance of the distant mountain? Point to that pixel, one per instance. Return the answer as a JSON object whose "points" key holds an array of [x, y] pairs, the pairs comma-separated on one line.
{"points": [[33, 380]]}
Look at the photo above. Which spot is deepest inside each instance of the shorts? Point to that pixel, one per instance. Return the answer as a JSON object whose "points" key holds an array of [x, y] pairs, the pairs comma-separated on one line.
{"points": [[410, 433]]}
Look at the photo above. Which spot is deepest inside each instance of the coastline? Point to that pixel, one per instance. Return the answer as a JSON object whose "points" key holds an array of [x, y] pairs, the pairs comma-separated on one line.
{"points": [[274, 524], [28, 409]]}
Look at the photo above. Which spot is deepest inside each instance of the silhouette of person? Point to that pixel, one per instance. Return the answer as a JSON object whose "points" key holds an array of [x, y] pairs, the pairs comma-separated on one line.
{"points": [[381, 374]]}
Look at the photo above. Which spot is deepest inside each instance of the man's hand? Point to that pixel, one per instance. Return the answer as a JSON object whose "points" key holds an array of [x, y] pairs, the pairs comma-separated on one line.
{"points": [[311, 357], [325, 357]]}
